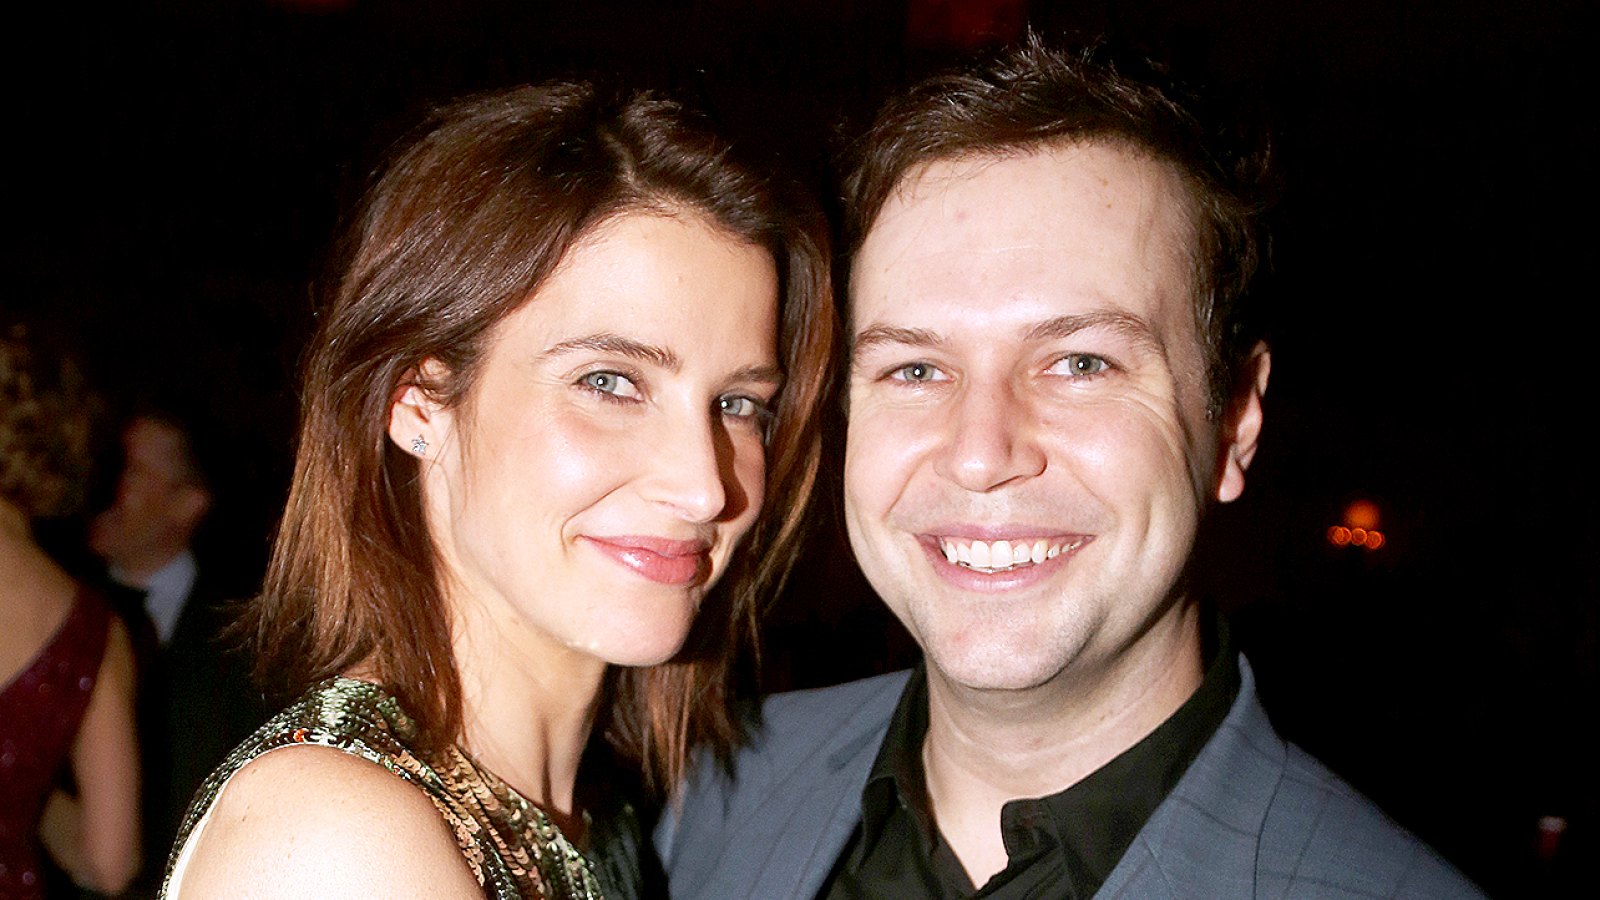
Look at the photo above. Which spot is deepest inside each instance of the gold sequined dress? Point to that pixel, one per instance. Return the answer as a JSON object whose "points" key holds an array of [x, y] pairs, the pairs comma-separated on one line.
{"points": [[512, 847]]}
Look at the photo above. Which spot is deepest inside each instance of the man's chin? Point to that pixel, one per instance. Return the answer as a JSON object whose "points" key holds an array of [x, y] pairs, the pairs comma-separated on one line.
{"points": [[997, 668], [102, 545]]}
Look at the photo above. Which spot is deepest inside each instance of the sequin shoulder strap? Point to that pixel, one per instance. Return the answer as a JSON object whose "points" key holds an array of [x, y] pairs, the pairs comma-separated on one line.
{"points": [[358, 718]]}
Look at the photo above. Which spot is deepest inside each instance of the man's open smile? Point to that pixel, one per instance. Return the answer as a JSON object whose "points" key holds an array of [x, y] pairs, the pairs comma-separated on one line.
{"points": [[1006, 555]]}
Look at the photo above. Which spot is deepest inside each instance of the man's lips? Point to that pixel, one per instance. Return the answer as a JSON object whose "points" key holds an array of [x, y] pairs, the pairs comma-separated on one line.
{"points": [[998, 559], [1003, 554], [658, 559]]}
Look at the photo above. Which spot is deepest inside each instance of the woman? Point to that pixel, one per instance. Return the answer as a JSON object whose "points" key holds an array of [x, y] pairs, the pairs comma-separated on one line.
{"points": [[66, 663], [541, 414]]}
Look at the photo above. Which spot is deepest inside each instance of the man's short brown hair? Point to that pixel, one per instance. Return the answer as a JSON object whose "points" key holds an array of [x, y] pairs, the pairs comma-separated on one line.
{"points": [[1033, 96]]}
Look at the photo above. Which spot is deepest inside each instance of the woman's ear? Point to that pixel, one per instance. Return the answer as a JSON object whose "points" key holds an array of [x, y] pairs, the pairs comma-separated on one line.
{"points": [[418, 421]]}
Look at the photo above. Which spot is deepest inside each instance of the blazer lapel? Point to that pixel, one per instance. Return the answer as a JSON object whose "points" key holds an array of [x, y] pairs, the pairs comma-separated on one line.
{"points": [[776, 828], [816, 818], [1202, 841]]}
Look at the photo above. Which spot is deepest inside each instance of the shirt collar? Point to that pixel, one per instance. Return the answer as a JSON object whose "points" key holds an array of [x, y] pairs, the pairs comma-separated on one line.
{"points": [[166, 590], [1094, 821]]}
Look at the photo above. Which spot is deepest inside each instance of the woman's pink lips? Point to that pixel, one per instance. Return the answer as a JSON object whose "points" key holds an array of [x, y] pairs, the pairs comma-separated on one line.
{"points": [[661, 560]]}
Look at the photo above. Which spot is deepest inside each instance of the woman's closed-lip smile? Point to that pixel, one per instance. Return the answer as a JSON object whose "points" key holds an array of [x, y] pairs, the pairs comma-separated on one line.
{"points": [[659, 559]]}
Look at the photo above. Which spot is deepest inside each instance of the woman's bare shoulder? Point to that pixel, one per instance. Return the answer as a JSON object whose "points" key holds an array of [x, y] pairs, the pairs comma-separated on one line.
{"points": [[315, 820]]}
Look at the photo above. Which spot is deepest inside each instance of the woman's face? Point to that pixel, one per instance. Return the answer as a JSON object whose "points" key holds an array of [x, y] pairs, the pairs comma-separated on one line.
{"points": [[594, 482]]}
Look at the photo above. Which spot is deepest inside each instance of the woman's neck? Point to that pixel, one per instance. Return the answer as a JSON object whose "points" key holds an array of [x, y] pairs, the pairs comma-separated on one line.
{"points": [[15, 529], [528, 706], [25, 568]]}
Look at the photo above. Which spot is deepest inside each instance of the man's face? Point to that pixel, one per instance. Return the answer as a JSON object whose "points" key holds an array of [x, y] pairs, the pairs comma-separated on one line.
{"points": [[156, 509], [1029, 452]]}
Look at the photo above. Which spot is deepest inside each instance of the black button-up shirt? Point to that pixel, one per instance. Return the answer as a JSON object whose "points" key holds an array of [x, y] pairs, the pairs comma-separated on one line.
{"points": [[1060, 846]]}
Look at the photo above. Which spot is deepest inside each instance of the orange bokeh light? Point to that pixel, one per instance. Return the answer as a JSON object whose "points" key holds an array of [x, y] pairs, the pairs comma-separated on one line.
{"points": [[1362, 514], [1340, 536]]}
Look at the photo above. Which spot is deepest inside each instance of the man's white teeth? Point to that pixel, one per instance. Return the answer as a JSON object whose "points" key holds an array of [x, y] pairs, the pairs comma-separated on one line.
{"points": [[999, 556]]}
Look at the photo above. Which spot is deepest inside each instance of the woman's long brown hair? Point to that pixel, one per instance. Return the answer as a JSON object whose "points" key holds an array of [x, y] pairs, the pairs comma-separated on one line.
{"points": [[461, 230]]}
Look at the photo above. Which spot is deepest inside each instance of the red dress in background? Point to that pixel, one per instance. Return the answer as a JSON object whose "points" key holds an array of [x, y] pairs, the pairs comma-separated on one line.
{"points": [[40, 710]]}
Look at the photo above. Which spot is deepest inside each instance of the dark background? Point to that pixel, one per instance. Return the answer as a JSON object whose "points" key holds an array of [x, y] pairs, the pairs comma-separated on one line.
{"points": [[177, 170]]}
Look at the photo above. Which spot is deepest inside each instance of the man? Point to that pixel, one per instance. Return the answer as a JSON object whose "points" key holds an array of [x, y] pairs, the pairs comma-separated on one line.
{"points": [[195, 701], [1050, 383], [144, 536]]}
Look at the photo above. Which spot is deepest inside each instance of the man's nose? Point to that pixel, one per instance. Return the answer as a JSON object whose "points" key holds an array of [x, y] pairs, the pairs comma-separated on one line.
{"points": [[990, 439]]}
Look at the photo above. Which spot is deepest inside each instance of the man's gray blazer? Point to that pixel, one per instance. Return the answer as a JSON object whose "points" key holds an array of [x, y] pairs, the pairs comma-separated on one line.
{"points": [[1254, 816]]}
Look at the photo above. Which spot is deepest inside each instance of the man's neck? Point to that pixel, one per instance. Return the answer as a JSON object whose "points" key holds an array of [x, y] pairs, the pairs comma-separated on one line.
{"points": [[987, 748], [167, 591], [136, 570]]}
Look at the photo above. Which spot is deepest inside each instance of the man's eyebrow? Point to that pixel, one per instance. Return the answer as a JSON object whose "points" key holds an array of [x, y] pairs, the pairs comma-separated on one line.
{"points": [[1133, 327], [878, 335], [606, 342]]}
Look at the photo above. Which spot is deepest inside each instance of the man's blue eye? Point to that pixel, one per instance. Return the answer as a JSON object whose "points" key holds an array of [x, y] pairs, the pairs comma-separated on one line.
{"points": [[1082, 364]]}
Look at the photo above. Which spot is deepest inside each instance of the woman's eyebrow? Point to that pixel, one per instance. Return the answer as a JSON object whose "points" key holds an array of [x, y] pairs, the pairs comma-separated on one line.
{"points": [[758, 375], [606, 342]]}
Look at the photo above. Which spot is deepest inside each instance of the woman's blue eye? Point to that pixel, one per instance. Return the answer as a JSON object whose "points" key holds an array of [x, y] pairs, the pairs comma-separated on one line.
{"points": [[739, 407], [610, 383]]}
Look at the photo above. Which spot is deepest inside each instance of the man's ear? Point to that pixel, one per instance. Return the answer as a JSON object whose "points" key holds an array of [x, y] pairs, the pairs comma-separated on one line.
{"points": [[189, 504], [418, 421], [1241, 425]]}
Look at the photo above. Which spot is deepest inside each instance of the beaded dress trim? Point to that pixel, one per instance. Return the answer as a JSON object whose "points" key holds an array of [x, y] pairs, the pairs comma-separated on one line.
{"points": [[511, 845]]}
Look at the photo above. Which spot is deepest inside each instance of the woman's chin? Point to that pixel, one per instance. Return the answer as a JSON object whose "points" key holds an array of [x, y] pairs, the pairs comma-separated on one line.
{"points": [[639, 648]]}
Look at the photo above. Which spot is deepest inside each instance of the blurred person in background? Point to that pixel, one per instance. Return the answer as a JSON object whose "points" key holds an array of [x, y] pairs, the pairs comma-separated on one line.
{"points": [[195, 697], [69, 768]]}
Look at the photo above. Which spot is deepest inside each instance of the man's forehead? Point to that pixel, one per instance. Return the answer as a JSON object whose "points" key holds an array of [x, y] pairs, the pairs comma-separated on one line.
{"points": [[143, 429], [151, 442], [1088, 219], [1039, 166]]}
